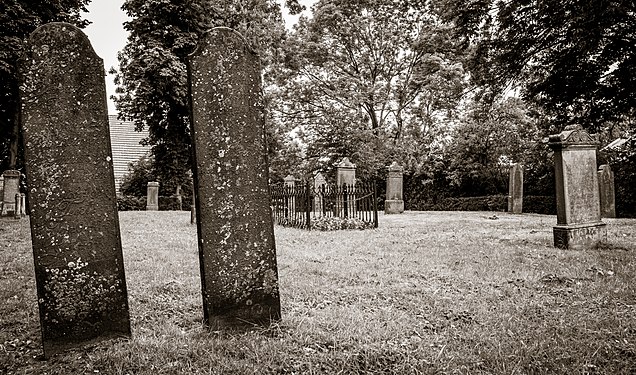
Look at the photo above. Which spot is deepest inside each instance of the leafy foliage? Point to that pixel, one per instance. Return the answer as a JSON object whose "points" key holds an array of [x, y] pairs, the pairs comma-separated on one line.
{"points": [[153, 83], [18, 18], [576, 58], [388, 73]]}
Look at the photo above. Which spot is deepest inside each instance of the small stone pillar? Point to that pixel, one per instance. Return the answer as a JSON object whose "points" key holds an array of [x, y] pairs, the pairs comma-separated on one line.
{"points": [[579, 222], [515, 189], [319, 199], [11, 188], [152, 196], [346, 175], [16, 213], [606, 191], [22, 204], [394, 202]]}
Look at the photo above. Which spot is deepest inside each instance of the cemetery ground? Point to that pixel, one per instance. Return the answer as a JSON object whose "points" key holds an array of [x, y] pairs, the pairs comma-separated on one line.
{"points": [[425, 293]]}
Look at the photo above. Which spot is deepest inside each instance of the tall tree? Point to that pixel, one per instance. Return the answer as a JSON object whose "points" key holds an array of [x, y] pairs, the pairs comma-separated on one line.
{"points": [[576, 58], [18, 18], [358, 74], [152, 81]]}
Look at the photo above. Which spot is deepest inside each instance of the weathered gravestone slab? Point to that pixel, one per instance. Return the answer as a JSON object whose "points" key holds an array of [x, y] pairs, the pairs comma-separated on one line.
{"points": [[394, 203], [152, 196], [79, 268], [579, 222], [234, 220], [606, 191], [515, 189]]}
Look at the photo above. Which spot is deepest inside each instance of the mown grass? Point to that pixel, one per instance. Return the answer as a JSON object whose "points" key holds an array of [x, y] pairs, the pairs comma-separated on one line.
{"points": [[426, 293]]}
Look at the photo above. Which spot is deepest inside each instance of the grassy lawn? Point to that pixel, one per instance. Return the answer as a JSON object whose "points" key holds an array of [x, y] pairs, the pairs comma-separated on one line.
{"points": [[426, 293]]}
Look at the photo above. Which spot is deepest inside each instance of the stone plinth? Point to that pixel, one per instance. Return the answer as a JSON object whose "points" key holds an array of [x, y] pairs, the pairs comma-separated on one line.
{"points": [[606, 191], [394, 202], [11, 188], [515, 189], [79, 267], [579, 222], [234, 219], [152, 196]]}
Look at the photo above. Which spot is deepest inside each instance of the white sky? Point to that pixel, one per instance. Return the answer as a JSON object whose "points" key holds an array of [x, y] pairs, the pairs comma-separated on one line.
{"points": [[107, 34]]}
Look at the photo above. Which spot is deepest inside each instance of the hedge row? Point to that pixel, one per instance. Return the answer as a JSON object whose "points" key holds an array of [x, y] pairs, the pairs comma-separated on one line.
{"points": [[130, 203], [531, 204]]}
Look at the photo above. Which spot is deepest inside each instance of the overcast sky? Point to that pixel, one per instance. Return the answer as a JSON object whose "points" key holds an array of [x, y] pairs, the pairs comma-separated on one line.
{"points": [[107, 34]]}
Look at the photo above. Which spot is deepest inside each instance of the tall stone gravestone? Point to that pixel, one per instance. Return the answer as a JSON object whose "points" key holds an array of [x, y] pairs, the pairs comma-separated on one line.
{"points": [[152, 196], [11, 188], [579, 222], [394, 202], [1, 192], [606, 191], [79, 268], [234, 220], [515, 189], [345, 180]]}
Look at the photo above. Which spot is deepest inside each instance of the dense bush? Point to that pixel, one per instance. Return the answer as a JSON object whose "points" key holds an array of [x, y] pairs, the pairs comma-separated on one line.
{"points": [[327, 223], [539, 204], [130, 203], [485, 203]]}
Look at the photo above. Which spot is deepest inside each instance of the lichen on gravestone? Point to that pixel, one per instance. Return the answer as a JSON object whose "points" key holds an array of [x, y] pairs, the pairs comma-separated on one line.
{"points": [[79, 268]]}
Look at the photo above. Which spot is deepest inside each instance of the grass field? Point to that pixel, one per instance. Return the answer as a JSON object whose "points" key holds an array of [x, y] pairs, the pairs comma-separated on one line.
{"points": [[425, 293]]}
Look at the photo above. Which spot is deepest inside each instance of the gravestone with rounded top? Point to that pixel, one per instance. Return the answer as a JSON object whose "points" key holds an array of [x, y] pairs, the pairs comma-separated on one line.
{"points": [[606, 191], [11, 188], [234, 220], [579, 222], [79, 267], [152, 196], [394, 202], [515, 189]]}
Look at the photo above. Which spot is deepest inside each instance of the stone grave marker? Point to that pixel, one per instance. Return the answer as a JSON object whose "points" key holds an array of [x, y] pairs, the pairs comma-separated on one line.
{"points": [[1, 192], [79, 268], [394, 203], [515, 189], [11, 187], [579, 222], [234, 220], [152, 196], [606, 191], [345, 180]]}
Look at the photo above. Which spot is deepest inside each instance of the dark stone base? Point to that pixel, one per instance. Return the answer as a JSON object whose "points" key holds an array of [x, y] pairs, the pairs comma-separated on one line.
{"points": [[581, 236], [393, 206], [515, 206]]}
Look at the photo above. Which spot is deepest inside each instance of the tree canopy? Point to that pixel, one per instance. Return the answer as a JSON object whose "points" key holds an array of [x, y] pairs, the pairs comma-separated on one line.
{"points": [[18, 18], [152, 80], [359, 75], [575, 58]]}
